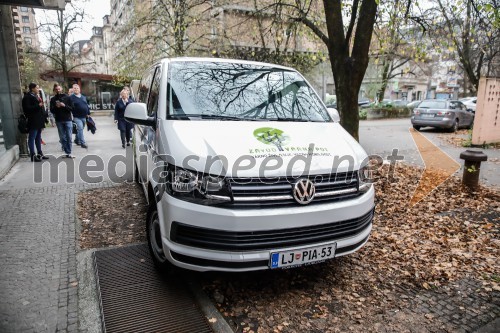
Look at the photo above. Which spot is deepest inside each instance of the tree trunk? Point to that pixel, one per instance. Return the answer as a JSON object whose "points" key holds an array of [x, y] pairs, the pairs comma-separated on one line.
{"points": [[347, 103], [349, 57]]}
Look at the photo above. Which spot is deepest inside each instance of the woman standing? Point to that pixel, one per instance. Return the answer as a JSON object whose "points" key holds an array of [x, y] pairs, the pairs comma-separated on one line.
{"points": [[34, 110], [124, 126]]}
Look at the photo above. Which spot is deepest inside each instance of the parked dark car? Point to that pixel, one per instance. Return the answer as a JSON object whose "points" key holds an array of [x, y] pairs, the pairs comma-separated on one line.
{"points": [[448, 114]]}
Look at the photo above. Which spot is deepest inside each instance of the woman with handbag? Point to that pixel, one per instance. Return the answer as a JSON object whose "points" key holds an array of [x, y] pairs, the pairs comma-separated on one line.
{"points": [[35, 112]]}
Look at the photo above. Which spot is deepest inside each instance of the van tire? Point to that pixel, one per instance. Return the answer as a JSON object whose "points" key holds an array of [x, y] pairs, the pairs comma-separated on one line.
{"points": [[455, 127], [154, 239]]}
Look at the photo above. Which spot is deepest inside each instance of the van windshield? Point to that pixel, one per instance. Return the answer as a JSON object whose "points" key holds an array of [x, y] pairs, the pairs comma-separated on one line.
{"points": [[232, 91]]}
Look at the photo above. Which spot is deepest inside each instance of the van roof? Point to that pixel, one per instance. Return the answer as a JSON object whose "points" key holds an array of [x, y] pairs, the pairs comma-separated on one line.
{"points": [[223, 60]]}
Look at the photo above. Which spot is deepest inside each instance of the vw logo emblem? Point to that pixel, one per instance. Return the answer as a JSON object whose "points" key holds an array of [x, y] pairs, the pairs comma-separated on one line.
{"points": [[304, 191]]}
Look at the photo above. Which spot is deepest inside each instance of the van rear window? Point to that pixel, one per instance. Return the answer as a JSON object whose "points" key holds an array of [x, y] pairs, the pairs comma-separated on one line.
{"points": [[218, 90]]}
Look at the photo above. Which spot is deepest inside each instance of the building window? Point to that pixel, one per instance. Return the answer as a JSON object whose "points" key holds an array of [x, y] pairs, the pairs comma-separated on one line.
{"points": [[26, 19], [24, 9], [100, 59], [27, 40], [100, 45], [26, 30]]}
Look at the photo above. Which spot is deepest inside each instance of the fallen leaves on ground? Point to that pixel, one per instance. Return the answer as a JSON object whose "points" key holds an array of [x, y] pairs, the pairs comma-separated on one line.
{"points": [[449, 235], [111, 216], [457, 139]]}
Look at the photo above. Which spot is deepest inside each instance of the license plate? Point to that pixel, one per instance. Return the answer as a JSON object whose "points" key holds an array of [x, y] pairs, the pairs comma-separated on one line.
{"points": [[302, 256], [427, 115]]}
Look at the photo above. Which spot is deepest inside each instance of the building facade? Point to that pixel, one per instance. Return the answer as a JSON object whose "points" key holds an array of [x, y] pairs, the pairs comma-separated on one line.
{"points": [[12, 142]]}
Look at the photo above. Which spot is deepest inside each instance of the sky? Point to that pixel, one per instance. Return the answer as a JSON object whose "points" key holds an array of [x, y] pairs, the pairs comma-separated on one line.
{"points": [[94, 9]]}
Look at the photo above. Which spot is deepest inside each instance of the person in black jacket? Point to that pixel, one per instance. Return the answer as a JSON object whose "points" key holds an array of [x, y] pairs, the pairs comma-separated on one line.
{"points": [[124, 126], [61, 107], [35, 112]]}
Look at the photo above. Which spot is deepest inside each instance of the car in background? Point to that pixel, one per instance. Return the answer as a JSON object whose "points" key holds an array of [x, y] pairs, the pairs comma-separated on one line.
{"points": [[384, 103], [470, 103], [399, 103], [412, 105], [362, 101], [447, 114]]}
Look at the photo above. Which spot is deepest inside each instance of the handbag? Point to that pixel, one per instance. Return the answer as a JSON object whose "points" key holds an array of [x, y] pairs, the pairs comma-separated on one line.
{"points": [[75, 129], [22, 124]]}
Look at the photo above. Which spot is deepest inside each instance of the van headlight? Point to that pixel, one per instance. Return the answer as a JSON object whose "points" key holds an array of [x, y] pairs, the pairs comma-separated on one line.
{"points": [[365, 177], [198, 187], [184, 181]]}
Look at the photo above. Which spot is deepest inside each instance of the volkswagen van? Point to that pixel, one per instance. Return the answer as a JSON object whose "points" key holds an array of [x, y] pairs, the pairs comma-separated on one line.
{"points": [[244, 168]]}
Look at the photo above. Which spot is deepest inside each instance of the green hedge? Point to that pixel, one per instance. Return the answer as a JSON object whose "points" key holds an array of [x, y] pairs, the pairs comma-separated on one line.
{"points": [[388, 112]]}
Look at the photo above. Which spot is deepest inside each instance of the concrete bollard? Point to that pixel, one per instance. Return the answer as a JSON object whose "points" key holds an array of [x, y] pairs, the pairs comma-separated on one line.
{"points": [[472, 166]]}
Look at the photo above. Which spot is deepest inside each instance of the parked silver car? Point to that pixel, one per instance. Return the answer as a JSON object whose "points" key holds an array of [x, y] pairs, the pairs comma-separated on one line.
{"points": [[470, 103], [448, 114]]}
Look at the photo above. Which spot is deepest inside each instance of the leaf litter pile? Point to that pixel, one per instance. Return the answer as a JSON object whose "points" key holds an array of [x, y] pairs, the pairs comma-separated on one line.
{"points": [[112, 216], [451, 234]]}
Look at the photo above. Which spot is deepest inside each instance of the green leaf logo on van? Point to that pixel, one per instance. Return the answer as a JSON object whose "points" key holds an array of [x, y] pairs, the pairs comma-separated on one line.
{"points": [[271, 136]]}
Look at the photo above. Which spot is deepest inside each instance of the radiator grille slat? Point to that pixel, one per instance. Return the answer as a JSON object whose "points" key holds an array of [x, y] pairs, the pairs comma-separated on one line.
{"points": [[214, 239], [256, 192]]}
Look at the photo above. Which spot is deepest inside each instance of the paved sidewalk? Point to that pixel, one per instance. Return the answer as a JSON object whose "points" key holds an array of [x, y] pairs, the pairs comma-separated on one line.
{"points": [[38, 276], [38, 270]]}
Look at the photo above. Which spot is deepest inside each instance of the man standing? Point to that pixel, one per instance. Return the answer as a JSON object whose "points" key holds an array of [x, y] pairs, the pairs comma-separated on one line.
{"points": [[81, 111], [61, 107]]}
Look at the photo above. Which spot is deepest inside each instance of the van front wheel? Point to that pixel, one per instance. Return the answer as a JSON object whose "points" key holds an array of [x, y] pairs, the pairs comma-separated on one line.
{"points": [[154, 238]]}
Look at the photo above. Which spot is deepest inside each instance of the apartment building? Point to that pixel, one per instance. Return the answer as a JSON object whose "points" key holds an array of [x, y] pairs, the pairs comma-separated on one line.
{"points": [[28, 27]]}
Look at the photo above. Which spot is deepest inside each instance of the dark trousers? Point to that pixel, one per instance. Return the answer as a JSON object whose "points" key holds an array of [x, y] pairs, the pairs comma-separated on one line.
{"points": [[126, 134], [35, 139]]}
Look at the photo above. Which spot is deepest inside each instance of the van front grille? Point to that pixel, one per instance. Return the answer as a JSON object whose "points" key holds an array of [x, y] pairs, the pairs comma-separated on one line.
{"points": [[256, 192]]}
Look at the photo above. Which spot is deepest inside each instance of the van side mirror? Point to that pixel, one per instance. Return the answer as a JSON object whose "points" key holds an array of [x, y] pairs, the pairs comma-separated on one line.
{"points": [[137, 113], [334, 114]]}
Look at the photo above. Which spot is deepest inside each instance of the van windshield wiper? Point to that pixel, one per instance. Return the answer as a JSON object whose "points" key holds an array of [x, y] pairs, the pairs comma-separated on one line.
{"points": [[288, 119], [213, 116]]}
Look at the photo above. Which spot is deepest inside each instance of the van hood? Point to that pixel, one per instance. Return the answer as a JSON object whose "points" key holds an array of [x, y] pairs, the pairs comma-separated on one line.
{"points": [[260, 149]]}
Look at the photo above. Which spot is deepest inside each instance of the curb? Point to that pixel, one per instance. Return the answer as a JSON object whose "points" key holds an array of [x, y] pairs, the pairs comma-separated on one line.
{"points": [[214, 318]]}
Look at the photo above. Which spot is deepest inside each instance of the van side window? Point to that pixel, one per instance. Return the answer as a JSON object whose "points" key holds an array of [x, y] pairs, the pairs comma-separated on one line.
{"points": [[154, 94], [144, 86]]}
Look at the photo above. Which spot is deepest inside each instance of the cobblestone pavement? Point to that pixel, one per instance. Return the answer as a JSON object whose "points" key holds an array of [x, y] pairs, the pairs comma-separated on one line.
{"points": [[38, 275], [461, 306]]}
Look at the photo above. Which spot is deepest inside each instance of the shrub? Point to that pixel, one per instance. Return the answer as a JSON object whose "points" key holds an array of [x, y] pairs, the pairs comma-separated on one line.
{"points": [[362, 114]]}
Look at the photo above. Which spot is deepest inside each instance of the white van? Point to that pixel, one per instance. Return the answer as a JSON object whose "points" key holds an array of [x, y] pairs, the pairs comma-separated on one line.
{"points": [[244, 169]]}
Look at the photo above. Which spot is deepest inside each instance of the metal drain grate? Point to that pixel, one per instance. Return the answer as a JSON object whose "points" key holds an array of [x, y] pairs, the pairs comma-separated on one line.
{"points": [[135, 298]]}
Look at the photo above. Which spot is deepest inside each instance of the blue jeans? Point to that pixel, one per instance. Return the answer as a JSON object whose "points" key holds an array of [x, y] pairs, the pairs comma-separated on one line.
{"points": [[80, 124], [35, 138], [65, 128]]}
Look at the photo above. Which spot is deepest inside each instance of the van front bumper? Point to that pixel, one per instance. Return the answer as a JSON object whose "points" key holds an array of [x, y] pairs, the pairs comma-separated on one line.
{"points": [[205, 238]]}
